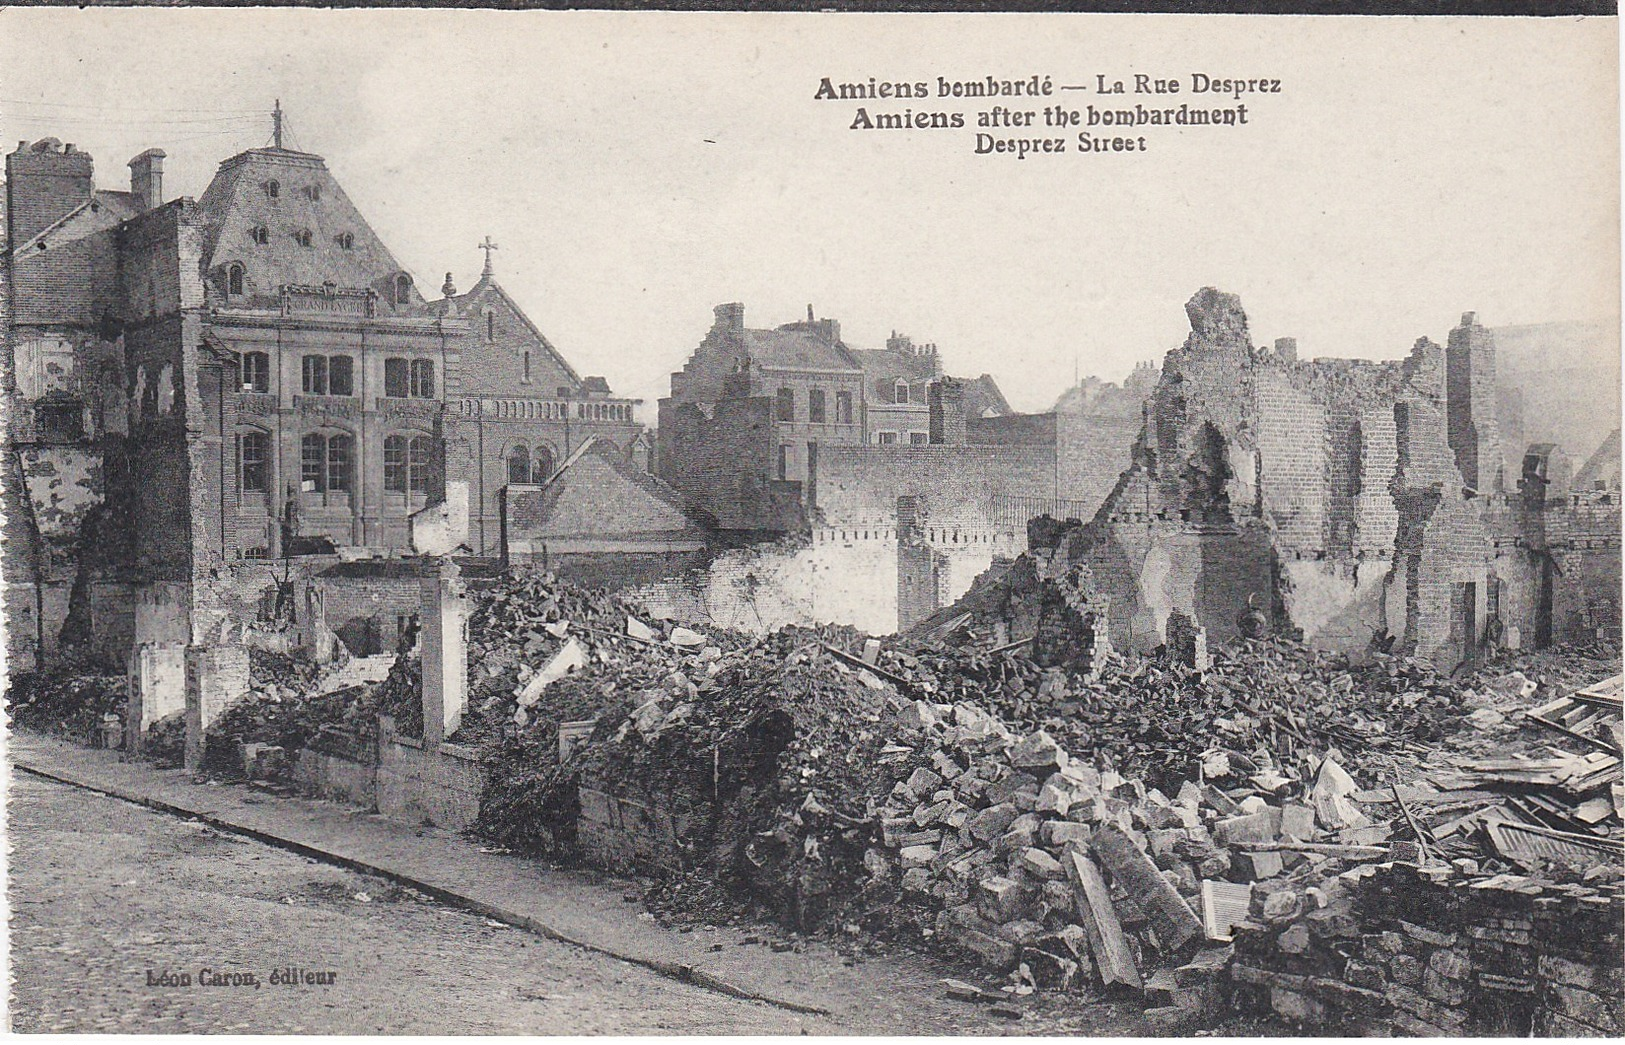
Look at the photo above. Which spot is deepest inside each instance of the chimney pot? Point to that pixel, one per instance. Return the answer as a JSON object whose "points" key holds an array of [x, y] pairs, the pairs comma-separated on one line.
{"points": [[729, 317], [1469, 319]]}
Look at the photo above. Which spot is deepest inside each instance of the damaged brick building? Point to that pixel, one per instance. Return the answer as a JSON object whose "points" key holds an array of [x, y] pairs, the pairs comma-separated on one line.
{"points": [[1355, 502], [213, 401]]}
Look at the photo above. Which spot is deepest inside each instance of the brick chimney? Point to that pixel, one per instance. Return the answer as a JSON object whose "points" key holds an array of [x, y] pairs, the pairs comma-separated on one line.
{"points": [[1286, 348], [1470, 403], [730, 318], [946, 401], [147, 179], [44, 181]]}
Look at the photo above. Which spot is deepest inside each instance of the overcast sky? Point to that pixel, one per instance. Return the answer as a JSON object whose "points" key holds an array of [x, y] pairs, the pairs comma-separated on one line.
{"points": [[638, 169]]}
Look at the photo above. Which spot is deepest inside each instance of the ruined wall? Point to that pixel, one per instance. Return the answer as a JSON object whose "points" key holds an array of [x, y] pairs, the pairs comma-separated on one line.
{"points": [[1438, 959], [723, 464], [954, 485], [416, 785]]}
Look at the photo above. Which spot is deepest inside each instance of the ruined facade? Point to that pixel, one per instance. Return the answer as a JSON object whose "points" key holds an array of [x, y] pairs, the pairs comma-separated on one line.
{"points": [[1352, 501]]}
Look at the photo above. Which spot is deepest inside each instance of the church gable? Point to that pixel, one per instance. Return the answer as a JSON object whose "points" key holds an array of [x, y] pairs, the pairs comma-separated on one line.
{"points": [[505, 354], [280, 217]]}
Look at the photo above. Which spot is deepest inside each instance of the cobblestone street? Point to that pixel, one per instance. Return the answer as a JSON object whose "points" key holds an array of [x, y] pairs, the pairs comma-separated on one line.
{"points": [[103, 891]]}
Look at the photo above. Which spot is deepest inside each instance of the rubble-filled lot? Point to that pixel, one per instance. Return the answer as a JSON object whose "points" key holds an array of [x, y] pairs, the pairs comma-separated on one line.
{"points": [[1200, 832], [1111, 828]]}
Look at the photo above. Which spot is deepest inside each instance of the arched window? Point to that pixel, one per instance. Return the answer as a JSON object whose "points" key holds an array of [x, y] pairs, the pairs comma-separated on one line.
{"points": [[324, 463], [302, 237], [900, 391], [313, 192], [255, 372], [253, 462], [407, 461], [526, 378], [234, 280], [273, 188], [541, 468], [345, 240], [403, 289], [519, 465], [260, 234]]}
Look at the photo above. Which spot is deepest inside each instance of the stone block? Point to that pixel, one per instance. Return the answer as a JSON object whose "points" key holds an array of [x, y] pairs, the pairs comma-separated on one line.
{"points": [[1016, 783], [1405, 969], [1298, 1007], [923, 781], [1255, 867], [1442, 989], [914, 856], [1298, 821], [1428, 936], [1041, 864], [1450, 963], [1364, 974], [992, 822], [1061, 833], [1000, 898], [1253, 827], [1584, 1006]]}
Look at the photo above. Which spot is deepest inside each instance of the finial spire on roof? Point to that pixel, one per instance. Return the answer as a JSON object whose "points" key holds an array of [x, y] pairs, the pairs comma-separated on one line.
{"points": [[276, 123], [488, 247], [448, 288]]}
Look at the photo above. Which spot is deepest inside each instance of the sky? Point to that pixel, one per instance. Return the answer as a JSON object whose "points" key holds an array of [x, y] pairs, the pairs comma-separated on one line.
{"points": [[637, 169]]}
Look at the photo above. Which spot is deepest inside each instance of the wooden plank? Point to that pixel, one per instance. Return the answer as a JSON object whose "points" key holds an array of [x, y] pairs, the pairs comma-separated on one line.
{"points": [[1172, 918], [1113, 959]]}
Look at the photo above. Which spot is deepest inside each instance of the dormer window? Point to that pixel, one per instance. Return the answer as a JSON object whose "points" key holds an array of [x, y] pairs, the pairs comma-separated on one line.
{"points": [[403, 289], [302, 237], [313, 192], [345, 240], [234, 280], [260, 234], [273, 189], [900, 392]]}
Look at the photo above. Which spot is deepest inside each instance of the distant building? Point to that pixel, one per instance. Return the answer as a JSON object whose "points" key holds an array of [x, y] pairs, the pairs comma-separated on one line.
{"points": [[753, 412]]}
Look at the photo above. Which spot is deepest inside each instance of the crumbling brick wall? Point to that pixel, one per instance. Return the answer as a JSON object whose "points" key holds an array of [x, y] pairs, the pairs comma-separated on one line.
{"points": [[1434, 958], [954, 486]]}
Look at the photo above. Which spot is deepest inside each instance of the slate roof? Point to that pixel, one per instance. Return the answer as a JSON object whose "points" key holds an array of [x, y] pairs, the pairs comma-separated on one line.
{"points": [[238, 200], [1604, 465], [793, 347]]}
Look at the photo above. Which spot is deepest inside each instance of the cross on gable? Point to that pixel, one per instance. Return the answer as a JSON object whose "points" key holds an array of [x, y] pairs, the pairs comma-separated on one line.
{"points": [[488, 247]]}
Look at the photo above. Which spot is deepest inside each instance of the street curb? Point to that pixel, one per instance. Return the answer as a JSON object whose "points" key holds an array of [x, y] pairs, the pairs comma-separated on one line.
{"points": [[678, 971]]}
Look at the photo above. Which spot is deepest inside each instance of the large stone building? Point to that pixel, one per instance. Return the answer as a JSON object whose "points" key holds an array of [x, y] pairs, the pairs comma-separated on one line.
{"points": [[197, 384]]}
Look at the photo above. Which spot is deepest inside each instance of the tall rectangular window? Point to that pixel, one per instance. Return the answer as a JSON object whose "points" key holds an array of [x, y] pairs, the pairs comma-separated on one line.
{"points": [[340, 376], [313, 464], [256, 372], [787, 404], [396, 378], [843, 408], [815, 405], [314, 378], [784, 461], [253, 455], [338, 462], [422, 386], [395, 463]]}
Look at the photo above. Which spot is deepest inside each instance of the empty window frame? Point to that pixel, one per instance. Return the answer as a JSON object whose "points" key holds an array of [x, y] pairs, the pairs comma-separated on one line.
{"points": [[786, 404], [843, 408], [815, 405]]}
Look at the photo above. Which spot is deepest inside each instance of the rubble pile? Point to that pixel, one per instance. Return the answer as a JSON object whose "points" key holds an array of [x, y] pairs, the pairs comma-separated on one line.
{"points": [[276, 716], [89, 709], [1141, 714]]}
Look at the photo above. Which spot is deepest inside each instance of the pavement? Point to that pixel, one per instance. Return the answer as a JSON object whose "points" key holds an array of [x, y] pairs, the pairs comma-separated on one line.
{"points": [[896, 993]]}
